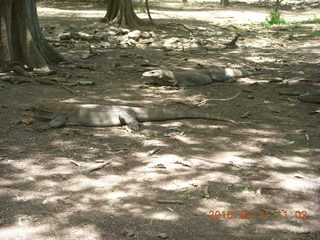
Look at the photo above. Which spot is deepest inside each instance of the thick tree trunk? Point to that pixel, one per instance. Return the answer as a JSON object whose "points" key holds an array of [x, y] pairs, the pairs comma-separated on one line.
{"points": [[21, 40], [122, 13]]}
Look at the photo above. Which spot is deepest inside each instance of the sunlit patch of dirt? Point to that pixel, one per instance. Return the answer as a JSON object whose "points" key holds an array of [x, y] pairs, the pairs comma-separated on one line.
{"points": [[162, 183]]}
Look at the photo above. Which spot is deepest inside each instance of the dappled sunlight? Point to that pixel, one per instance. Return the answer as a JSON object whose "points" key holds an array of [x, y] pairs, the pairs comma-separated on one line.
{"points": [[87, 231], [287, 227], [216, 176], [207, 205], [257, 132], [233, 157], [292, 182], [273, 140], [44, 11], [290, 162], [166, 216], [116, 195], [162, 181], [24, 228]]}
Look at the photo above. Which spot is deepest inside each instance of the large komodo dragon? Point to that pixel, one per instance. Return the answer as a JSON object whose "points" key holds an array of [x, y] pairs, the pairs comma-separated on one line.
{"points": [[95, 115], [190, 78]]}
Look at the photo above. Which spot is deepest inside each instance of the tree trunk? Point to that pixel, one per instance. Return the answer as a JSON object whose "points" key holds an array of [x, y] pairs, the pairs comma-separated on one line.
{"points": [[21, 40], [224, 2], [141, 3], [122, 13]]}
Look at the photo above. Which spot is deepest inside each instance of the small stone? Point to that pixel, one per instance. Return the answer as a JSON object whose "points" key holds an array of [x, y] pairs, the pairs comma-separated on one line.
{"points": [[128, 233], [146, 41], [102, 35], [132, 42], [145, 35], [113, 28], [112, 33], [142, 46], [65, 36], [162, 235], [153, 34], [194, 45], [105, 44], [156, 45], [134, 34], [250, 97], [171, 41], [124, 30], [86, 83], [202, 28]]}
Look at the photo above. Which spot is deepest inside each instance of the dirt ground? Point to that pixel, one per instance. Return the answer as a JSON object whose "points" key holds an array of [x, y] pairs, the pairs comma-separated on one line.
{"points": [[172, 179]]}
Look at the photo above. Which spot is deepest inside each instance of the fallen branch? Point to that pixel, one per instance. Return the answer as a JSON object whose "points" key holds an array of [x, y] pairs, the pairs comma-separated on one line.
{"points": [[289, 93], [49, 82], [170, 201], [100, 166], [205, 101], [75, 163], [68, 89], [156, 150], [178, 24]]}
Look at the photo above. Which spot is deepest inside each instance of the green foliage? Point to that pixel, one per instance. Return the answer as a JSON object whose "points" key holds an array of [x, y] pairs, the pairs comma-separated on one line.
{"points": [[274, 18], [244, 186], [316, 33], [185, 191], [140, 9], [315, 19]]}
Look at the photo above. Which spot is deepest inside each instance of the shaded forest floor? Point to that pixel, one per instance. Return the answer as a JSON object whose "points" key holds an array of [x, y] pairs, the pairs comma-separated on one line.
{"points": [[261, 170]]}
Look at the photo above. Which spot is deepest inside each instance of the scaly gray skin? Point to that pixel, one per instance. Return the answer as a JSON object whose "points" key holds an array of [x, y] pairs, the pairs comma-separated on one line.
{"points": [[94, 115], [191, 78]]}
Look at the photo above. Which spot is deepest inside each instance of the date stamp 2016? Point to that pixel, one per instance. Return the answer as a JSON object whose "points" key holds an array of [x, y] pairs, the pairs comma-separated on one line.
{"points": [[261, 214]]}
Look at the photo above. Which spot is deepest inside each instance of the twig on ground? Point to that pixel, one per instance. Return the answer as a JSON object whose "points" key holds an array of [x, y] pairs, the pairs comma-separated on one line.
{"points": [[205, 101], [177, 24], [100, 166], [49, 82], [170, 201], [75, 163]]}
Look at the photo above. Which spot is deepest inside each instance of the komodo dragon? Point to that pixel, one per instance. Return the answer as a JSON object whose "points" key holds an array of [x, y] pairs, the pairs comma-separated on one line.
{"points": [[94, 115], [190, 78]]}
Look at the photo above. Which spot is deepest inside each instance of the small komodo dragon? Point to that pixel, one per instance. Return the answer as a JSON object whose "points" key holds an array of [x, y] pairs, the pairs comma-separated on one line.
{"points": [[191, 78], [94, 115]]}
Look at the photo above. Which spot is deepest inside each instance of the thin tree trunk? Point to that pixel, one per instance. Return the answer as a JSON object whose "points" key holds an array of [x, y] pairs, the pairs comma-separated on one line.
{"points": [[224, 2]]}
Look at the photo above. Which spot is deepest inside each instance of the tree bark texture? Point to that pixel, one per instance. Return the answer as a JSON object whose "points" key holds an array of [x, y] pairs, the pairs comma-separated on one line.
{"points": [[224, 2], [21, 40], [122, 13]]}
